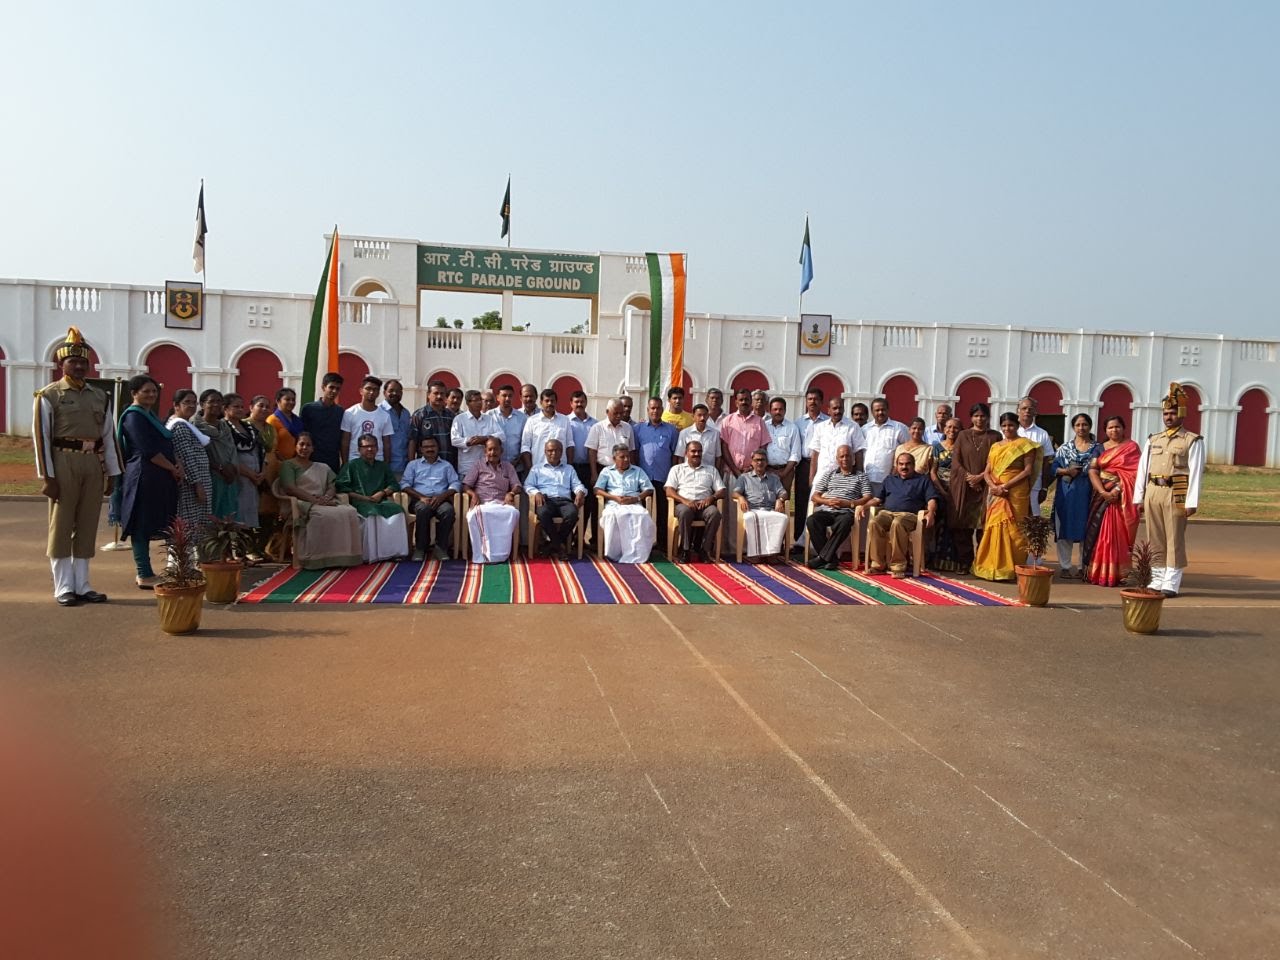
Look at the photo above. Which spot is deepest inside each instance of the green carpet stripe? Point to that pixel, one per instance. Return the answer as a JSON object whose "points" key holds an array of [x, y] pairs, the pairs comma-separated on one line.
{"points": [[687, 588], [495, 586], [299, 583], [866, 589]]}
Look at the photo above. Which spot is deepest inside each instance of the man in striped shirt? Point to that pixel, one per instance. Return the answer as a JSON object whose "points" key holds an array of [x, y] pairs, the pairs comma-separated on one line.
{"points": [[836, 495]]}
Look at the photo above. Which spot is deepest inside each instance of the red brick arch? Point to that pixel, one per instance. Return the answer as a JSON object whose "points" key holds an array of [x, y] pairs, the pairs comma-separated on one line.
{"points": [[353, 370], [901, 391], [971, 390], [748, 380], [1251, 430], [1048, 397], [169, 365], [260, 373], [564, 388], [829, 384]]}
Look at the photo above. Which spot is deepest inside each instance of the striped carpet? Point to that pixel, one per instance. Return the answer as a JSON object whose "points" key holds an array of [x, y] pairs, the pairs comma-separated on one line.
{"points": [[601, 582]]}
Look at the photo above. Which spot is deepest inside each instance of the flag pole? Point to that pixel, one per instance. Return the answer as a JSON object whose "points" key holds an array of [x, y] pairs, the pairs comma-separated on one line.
{"points": [[204, 261], [508, 211]]}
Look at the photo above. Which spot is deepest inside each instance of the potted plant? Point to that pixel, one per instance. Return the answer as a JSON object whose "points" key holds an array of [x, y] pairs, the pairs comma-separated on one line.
{"points": [[224, 545], [1034, 580], [1141, 604], [180, 590]]}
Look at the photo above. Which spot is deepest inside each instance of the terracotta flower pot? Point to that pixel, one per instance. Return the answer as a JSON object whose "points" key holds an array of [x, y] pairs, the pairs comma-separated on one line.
{"points": [[180, 608], [1033, 585], [224, 580], [1141, 610]]}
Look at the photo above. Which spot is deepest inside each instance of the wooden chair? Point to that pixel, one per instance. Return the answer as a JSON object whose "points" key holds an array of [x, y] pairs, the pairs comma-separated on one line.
{"points": [[602, 548], [917, 542], [741, 528], [854, 538], [673, 529], [535, 529], [464, 535], [459, 521]]}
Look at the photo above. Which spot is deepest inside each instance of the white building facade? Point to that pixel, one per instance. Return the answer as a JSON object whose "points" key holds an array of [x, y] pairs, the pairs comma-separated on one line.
{"points": [[254, 342]]}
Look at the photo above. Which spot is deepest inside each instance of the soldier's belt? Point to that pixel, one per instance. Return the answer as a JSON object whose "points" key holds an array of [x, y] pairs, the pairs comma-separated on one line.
{"points": [[77, 445], [1161, 481]]}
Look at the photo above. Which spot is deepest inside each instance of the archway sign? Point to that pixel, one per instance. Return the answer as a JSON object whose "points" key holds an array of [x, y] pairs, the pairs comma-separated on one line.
{"points": [[526, 273]]}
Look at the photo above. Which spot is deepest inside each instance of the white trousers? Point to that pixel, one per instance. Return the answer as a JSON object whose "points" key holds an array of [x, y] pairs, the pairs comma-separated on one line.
{"points": [[384, 538], [766, 531], [491, 526], [70, 575], [628, 532]]}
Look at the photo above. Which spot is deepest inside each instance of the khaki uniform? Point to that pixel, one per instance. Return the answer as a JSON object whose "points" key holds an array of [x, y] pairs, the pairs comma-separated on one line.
{"points": [[75, 444], [1168, 484]]}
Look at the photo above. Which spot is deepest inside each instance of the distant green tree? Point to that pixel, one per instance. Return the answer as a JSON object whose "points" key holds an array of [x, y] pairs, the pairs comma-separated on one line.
{"points": [[577, 328], [491, 320], [457, 323], [442, 322]]}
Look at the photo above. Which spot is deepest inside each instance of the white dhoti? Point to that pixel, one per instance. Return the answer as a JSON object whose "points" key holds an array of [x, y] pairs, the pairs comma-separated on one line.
{"points": [[492, 526], [766, 531], [627, 532], [384, 537]]}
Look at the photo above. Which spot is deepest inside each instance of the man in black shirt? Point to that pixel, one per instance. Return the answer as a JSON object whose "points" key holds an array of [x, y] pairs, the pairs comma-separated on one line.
{"points": [[905, 494], [323, 420]]}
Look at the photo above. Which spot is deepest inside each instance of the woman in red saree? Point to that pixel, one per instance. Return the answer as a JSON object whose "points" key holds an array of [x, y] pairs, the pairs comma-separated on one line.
{"points": [[1113, 517]]}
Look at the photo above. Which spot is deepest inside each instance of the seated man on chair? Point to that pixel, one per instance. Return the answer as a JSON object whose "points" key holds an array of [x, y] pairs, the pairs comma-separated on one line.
{"points": [[837, 494], [905, 494], [430, 484], [695, 487], [371, 486], [557, 493], [627, 531], [493, 485], [763, 501]]}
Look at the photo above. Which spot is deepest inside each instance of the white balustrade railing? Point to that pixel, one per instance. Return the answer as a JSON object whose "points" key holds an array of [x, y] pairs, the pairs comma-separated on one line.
{"points": [[440, 339], [77, 299], [909, 338], [153, 302], [575, 346], [1048, 343], [1119, 346], [370, 250], [1257, 350]]}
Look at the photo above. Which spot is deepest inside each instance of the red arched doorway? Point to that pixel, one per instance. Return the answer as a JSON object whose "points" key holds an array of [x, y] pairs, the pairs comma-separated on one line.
{"points": [[1192, 421], [564, 388], [901, 392], [1048, 397], [748, 380], [1251, 430], [510, 379], [447, 378], [259, 372], [353, 370], [829, 384], [970, 391], [169, 365], [1116, 401]]}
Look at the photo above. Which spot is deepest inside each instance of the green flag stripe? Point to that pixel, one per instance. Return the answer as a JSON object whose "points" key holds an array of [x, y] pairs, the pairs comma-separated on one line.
{"points": [[655, 325], [311, 362]]}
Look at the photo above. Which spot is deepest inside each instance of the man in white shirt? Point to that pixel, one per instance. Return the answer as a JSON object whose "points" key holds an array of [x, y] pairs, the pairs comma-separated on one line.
{"points": [[783, 453], [548, 425], [715, 408], [704, 433], [813, 415], [365, 419], [828, 436], [1027, 428], [883, 436], [469, 430], [694, 488], [941, 415], [582, 422], [605, 435]]}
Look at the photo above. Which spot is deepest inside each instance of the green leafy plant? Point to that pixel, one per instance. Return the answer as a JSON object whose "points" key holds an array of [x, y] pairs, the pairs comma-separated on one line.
{"points": [[1140, 571], [223, 540], [1037, 531], [181, 569]]}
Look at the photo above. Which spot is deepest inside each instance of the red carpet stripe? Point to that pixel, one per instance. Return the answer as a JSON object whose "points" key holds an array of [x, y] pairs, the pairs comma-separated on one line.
{"points": [[723, 589]]}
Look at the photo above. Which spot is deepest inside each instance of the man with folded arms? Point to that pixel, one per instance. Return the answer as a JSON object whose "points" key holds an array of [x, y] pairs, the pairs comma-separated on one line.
{"points": [[905, 494], [557, 494], [469, 431], [837, 494], [493, 485], [763, 502], [627, 532], [431, 483], [694, 488]]}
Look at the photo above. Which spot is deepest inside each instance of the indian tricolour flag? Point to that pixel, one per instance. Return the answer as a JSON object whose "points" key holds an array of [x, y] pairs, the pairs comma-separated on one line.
{"points": [[322, 338], [666, 321]]}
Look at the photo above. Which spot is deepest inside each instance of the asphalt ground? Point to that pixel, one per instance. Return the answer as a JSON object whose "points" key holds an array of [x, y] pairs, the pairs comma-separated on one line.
{"points": [[655, 781]]}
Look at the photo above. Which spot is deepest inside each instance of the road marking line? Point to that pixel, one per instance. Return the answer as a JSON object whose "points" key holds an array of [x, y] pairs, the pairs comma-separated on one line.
{"points": [[697, 856], [885, 854], [657, 793], [617, 726], [1009, 813], [932, 626]]}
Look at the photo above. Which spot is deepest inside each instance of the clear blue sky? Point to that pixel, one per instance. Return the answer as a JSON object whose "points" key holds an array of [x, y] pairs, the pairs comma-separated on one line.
{"points": [[1105, 165]]}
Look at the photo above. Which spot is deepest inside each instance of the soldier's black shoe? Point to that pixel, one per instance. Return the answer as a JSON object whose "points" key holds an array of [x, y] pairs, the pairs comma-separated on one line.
{"points": [[1169, 593], [91, 596], [67, 599]]}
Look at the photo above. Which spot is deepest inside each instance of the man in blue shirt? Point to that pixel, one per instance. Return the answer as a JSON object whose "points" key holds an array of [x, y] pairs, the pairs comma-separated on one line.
{"points": [[655, 449], [392, 394], [509, 425], [905, 494], [431, 483], [557, 493], [581, 423]]}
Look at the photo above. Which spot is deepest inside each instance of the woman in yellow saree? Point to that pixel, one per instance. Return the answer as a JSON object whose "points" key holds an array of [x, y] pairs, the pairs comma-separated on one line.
{"points": [[1011, 465]]}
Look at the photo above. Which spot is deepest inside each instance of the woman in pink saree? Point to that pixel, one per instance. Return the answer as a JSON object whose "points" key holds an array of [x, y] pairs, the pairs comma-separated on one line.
{"points": [[1113, 518]]}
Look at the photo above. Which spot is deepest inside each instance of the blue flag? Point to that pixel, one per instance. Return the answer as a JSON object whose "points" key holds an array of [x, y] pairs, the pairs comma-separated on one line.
{"points": [[806, 260]]}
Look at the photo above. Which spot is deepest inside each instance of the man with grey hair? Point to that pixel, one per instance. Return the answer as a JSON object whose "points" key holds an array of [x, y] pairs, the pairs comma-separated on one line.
{"points": [[627, 531], [760, 404], [606, 434], [941, 415], [1027, 427]]}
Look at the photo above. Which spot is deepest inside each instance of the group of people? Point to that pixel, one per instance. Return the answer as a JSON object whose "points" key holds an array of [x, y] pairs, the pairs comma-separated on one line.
{"points": [[331, 487]]}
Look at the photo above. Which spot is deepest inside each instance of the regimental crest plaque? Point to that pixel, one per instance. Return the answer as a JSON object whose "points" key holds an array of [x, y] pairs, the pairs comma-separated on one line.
{"points": [[815, 335], [184, 305]]}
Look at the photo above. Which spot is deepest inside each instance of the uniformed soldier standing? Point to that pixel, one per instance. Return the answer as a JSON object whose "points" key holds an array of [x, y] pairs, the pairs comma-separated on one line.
{"points": [[77, 458], [1167, 491]]}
